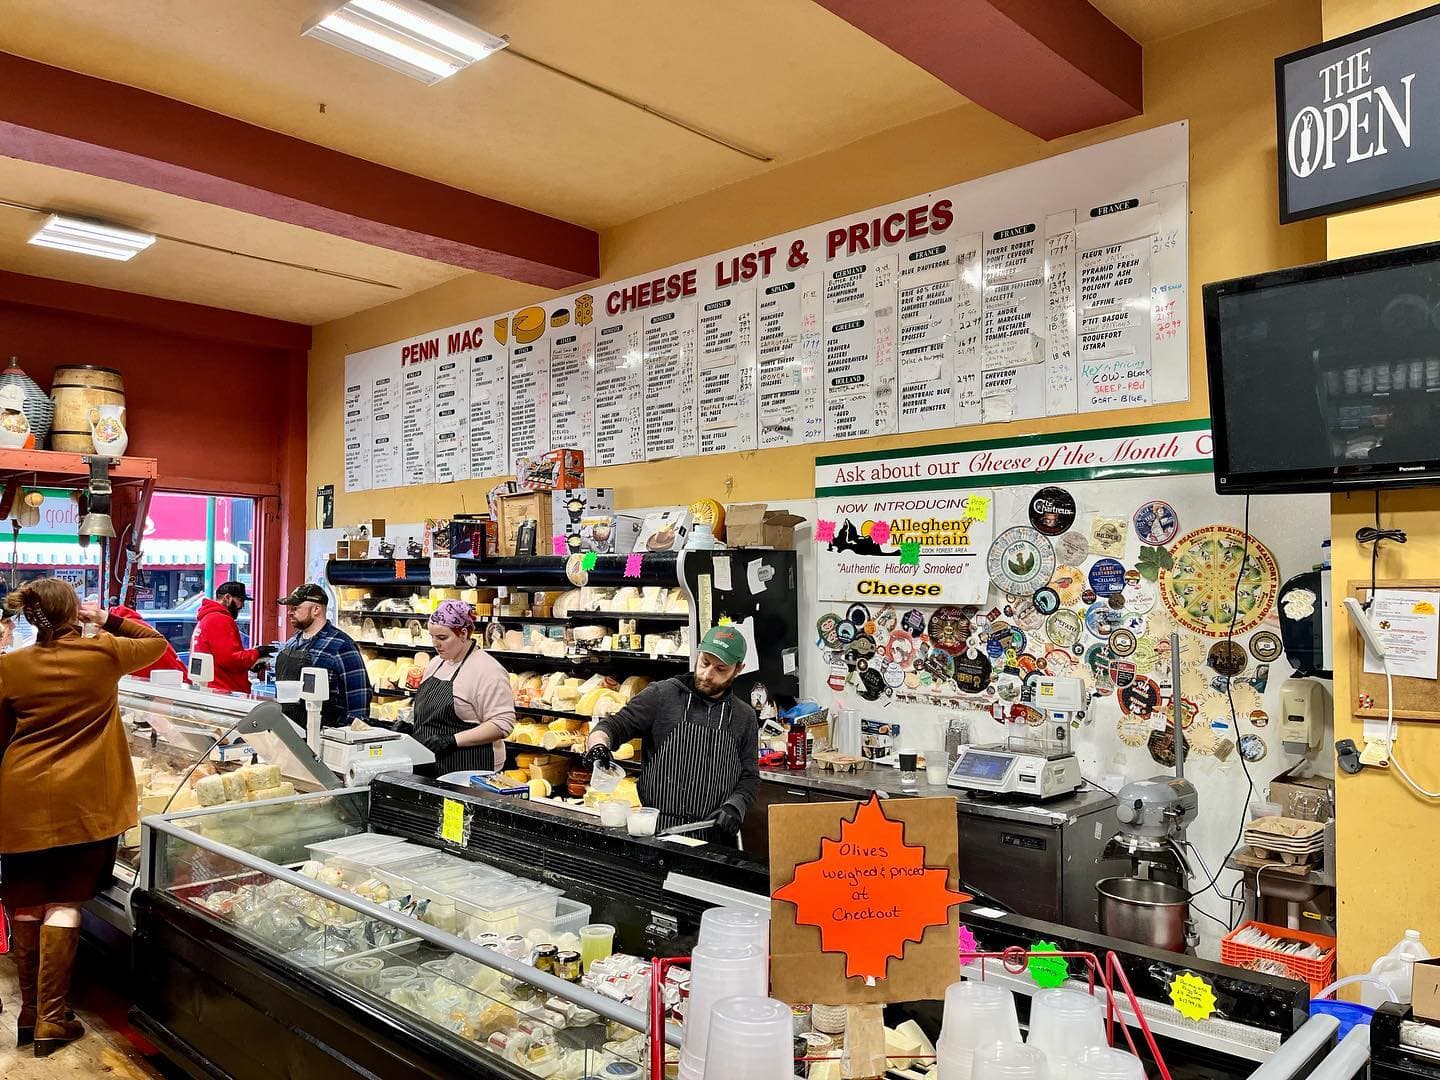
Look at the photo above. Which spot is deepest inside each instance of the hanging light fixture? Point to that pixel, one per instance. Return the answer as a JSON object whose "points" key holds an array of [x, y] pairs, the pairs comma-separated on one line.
{"points": [[408, 36], [85, 237], [95, 501]]}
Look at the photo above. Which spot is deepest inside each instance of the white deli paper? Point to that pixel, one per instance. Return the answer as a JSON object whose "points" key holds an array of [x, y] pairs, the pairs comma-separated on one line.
{"points": [[1405, 621]]}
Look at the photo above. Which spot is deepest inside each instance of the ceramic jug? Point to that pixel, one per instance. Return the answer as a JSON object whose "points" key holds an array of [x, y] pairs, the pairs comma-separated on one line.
{"points": [[15, 430], [107, 429]]}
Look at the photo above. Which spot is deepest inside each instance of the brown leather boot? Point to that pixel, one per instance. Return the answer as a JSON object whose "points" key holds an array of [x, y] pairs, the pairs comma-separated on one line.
{"points": [[57, 961], [25, 946]]}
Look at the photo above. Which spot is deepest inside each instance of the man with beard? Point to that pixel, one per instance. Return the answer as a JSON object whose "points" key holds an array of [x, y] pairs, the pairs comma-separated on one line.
{"points": [[319, 643], [217, 632], [701, 743]]}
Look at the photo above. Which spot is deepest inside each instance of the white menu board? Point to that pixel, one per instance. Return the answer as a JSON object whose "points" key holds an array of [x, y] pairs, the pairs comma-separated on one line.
{"points": [[572, 387], [490, 412], [529, 398], [726, 401], [620, 390], [670, 382], [1050, 289]]}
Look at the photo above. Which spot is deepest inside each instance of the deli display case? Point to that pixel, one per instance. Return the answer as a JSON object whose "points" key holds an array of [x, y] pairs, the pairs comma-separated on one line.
{"points": [[375, 932], [179, 739]]}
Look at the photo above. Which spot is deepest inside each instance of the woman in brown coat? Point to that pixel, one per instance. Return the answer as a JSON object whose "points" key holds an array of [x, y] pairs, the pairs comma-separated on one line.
{"points": [[67, 791]]}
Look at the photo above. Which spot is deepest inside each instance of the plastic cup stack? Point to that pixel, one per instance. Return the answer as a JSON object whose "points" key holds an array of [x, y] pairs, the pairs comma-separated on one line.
{"points": [[754, 1040], [1103, 1063], [1010, 1061], [718, 972], [976, 1014], [735, 927], [1064, 1022]]}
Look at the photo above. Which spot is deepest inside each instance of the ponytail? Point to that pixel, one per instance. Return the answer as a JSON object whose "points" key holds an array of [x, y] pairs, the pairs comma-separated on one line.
{"points": [[48, 604]]}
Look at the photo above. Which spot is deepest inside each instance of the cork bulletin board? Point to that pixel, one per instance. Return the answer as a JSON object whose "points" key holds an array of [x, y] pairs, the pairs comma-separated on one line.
{"points": [[1415, 699]]}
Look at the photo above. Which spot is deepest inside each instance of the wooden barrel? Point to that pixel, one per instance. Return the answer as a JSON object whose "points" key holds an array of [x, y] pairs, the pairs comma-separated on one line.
{"points": [[77, 389]]}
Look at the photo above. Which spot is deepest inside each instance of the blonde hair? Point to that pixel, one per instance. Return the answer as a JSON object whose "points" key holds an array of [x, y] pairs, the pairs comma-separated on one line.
{"points": [[48, 604]]}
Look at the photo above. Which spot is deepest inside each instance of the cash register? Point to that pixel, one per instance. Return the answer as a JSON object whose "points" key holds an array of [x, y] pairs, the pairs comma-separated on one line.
{"points": [[1040, 765]]}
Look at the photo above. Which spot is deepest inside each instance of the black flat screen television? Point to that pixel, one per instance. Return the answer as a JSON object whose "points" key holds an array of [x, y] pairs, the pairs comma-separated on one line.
{"points": [[1327, 377]]}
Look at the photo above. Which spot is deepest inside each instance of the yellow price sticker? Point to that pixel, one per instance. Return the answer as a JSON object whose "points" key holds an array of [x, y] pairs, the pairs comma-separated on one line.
{"points": [[452, 822], [1192, 997], [377, 750], [977, 507]]}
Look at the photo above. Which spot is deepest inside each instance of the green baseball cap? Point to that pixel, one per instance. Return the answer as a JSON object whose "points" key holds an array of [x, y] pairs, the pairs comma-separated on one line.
{"points": [[724, 643]]}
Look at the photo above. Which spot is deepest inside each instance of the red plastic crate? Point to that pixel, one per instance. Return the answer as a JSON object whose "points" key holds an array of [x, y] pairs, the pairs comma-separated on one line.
{"points": [[1318, 973]]}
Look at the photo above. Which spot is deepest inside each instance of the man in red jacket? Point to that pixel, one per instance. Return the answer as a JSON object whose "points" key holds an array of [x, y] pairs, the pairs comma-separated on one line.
{"points": [[168, 661], [218, 633]]}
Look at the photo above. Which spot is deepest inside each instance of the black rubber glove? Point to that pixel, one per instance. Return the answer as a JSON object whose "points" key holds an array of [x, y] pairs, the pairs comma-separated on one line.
{"points": [[727, 819], [260, 665], [400, 727], [599, 754], [437, 744], [265, 650]]}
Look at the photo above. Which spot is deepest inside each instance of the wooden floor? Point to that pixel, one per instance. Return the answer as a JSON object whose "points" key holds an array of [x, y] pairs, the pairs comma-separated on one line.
{"points": [[105, 1051]]}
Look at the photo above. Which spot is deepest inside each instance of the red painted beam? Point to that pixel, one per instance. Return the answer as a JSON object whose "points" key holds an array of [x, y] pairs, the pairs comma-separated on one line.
{"points": [[1052, 67], [72, 121], [171, 316]]}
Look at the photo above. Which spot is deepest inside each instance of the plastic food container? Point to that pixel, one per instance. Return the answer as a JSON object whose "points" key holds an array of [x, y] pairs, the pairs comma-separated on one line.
{"points": [[553, 915], [641, 821], [351, 846], [606, 778], [495, 909], [613, 813]]}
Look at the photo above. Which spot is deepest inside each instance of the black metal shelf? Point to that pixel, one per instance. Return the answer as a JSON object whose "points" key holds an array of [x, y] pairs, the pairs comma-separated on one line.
{"points": [[521, 571], [551, 714], [393, 692], [598, 658], [390, 646]]}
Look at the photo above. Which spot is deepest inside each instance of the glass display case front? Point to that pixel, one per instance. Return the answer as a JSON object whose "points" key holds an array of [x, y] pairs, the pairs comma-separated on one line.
{"points": [[447, 946], [191, 748]]}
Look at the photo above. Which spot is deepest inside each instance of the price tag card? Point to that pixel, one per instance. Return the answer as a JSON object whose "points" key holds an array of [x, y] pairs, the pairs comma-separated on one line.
{"points": [[454, 823], [442, 570]]}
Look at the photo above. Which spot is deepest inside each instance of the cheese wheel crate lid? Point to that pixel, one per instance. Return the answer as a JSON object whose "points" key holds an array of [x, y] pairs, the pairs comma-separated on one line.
{"points": [[351, 845], [554, 915], [378, 857]]}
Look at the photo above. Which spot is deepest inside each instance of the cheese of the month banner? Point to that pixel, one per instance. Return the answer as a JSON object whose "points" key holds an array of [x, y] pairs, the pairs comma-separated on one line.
{"points": [[1052, 289]]}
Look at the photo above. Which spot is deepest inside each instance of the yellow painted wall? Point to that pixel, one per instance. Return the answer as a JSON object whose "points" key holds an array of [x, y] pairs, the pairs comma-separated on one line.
{"points": [[1219, 78], [1385, 834]]}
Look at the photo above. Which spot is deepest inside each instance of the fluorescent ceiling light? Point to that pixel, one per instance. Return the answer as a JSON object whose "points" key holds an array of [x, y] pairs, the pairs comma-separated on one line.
{"points": [[91, 238], [408, 36]]}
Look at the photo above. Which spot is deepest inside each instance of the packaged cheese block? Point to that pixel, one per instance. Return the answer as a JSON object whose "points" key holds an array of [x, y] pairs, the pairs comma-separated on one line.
{"points": [[566, 604], [611, 701], [624, 752], [677, 603], [565, 699], [513, 641], [516, 776], [652, 598], [589, 634], [234, 786], [553, 682], [625, 599], [210, 791], [633, 685], [260, 777]]}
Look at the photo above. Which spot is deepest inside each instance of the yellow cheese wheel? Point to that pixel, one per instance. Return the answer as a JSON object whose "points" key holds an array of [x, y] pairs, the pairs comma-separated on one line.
{"points": [[527, 325], [539, 789], [709, 512]]}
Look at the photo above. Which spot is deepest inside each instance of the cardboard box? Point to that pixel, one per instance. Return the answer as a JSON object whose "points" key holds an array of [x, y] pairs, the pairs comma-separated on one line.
{"points": [[472, 536], [755, 525], [352, 549], [1425, 990], [520, 507], [436, 541], [563, 469], [375, 527], [573, 515], [663, 530], [1308, 791]]}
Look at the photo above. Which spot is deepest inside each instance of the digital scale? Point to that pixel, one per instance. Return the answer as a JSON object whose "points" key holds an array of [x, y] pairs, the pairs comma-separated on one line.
{"points": [[1025, 766], [357, 754]]}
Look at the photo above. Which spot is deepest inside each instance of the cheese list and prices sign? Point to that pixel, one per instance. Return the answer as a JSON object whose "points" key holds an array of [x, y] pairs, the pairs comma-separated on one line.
{"points": [[862, 904], [1359, 118], [916, 524], [1051, 289]]}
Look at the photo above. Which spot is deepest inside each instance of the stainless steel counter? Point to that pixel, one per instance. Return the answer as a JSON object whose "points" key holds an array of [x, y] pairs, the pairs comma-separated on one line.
{"points": [[886, 780]]}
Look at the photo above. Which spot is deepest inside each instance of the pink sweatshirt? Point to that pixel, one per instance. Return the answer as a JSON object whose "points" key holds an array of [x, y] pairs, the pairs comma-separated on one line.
{"points": [[482, 692]]}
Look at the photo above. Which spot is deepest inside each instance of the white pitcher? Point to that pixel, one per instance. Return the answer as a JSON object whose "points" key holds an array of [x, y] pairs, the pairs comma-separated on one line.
{"points": [[107, 430]]}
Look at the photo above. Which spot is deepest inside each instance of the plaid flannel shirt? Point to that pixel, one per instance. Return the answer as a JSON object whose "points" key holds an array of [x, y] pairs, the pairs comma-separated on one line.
{"points": [[336, 651]]}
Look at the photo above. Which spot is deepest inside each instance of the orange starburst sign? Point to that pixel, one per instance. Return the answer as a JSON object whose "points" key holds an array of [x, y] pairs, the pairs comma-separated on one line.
{"points": [[870, 892]]}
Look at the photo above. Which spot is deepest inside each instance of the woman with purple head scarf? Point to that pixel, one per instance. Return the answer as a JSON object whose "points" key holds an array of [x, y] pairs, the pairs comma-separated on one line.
{"points": [[464, 708]]}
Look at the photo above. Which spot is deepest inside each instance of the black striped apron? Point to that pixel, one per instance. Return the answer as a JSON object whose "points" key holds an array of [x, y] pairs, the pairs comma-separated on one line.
{"points": [[692, 772], [435, 715]]}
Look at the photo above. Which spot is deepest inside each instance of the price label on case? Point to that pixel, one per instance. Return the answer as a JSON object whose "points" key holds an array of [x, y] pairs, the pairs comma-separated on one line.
{"points": [[452, 822], [1192, 996], [378, 750]]}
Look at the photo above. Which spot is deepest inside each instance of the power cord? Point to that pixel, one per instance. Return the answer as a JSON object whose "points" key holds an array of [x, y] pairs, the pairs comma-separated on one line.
{"points": [[1234, 716], [1373, 536]]}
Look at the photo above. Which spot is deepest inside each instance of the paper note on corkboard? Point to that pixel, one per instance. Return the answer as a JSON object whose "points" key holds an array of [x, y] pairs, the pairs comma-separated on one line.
{"points": [[869, 876]]}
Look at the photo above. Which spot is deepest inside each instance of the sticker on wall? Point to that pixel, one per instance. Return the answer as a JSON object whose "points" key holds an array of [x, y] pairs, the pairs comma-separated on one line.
{"points": [[913, 622], [1107, 577], [858, 614], [1101, 619], [1156, 523], [1069, 583], [1132, 731], [828, 627], [949, 629], [1259, 718], [1143, 655], [1161, 745], [1100, 664], [972, 673], [1141, 698], [839, 675], [1073, 547], [1224, 747], [1140, 595], [1152, 561], [1046, 600], [1058, 662], [1265, 646], [1200, 739], [1227, 658], [1020, 560], [1123, 642], [1052, 510], [900, 649], [1253, 748], [1027, 616], [1064, 628], [1107, 535], [1199, 590]]}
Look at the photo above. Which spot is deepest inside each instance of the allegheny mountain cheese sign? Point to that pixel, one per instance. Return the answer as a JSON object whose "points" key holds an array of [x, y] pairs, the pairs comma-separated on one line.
{"points": [[1359, 118]]}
